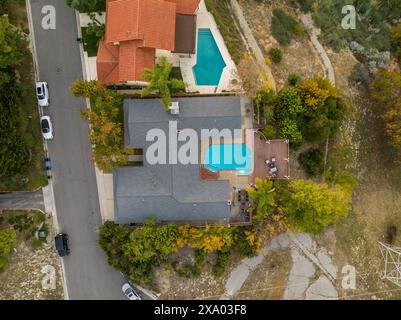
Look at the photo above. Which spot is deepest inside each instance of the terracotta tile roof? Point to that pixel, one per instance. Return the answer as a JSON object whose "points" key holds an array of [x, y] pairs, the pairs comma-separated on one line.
{"points": [[126, 62], [107, 63], [152, 21], [186, 6], [133, 60], [139, 27]]}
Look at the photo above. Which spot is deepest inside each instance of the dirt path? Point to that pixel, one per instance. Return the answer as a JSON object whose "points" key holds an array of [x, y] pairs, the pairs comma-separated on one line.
{"points": [[253, 44], [313, 34]]}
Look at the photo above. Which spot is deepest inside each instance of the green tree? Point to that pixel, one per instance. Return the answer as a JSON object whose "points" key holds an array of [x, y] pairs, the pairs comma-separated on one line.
{"points": [[288, 129], [264, 104], [313, 93], [147, 247], [8, 238], [136, 251], [393, 123], [263, 199], [269, 132], [386, 87], [324, 109], [312, 206], [288, 105], [112, 238], [88, 5], [312, 162], [10, 39], [14, 154], [160, 81], [86, 89], [96, 28], [106, 119]]}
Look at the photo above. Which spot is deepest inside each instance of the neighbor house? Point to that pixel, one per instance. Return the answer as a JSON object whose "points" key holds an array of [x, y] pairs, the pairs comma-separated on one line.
{"points": [[174, 192], [136, 29]]}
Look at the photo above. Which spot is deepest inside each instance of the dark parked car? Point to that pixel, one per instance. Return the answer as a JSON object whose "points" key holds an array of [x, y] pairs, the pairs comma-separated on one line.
{"points": [[61, 241]]}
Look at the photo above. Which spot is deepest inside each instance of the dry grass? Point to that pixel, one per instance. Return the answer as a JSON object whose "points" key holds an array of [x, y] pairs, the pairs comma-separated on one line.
{"points": [[205, 287], [22, 278], [268, 280], [298, 57], [377, 203]]}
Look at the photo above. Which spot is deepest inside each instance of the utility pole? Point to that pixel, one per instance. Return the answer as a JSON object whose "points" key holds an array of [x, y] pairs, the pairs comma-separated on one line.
{"points": [[392, 263]]}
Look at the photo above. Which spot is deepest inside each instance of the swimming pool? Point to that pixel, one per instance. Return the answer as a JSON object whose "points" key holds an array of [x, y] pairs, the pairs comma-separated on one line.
{"points": [[219, 157], [210, 63]]}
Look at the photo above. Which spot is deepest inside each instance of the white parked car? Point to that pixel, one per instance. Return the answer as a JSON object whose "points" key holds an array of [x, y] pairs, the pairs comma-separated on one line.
{"points": [[42, 93], [47, 127], [130, 292]]}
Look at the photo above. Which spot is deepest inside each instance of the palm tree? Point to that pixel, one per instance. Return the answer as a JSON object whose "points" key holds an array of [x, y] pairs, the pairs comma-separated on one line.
{"points": [[160, 81], [263, 198]]}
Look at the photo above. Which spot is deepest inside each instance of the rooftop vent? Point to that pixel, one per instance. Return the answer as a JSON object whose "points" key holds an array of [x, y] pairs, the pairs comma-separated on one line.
{"points": [[174, 108]]}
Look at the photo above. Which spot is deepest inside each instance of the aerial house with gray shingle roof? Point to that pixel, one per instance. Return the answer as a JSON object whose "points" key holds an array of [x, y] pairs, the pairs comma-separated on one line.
{"points": [[173, 192]]}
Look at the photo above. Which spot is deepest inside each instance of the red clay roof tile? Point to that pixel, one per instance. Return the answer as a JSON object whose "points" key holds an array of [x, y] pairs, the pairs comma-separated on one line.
{"points": [[152, 21], [134, 29], [186, 6]]}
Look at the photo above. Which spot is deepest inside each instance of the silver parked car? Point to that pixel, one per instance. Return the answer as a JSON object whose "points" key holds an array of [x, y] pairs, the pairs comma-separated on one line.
{"points": [[47, 127], [42, 93], [129, 292]]}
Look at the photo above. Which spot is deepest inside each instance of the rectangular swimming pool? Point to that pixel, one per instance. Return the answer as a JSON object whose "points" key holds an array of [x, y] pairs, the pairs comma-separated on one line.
{"points": [[221, 157], [210, 63]]}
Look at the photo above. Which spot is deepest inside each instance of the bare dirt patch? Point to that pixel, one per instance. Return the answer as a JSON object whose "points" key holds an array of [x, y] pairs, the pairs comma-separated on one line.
{"points": [[268, 280], [28, 267]]}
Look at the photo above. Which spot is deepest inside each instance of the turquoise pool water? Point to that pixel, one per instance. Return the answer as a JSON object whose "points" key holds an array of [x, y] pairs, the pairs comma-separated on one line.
{"points": [[221, 157], [210, 63]]}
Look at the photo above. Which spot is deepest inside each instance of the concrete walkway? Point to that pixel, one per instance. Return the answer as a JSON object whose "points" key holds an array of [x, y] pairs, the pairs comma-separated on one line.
{"points": [[301, 284], [313, 34], [253, 44], [22, 200]]}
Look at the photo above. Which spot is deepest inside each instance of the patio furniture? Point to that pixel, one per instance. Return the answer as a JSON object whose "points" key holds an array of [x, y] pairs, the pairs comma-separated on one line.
{"points": [[274, 169]]}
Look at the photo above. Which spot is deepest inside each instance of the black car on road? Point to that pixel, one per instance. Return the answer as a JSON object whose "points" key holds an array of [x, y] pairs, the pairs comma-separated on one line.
{"points": [[61, 241]]}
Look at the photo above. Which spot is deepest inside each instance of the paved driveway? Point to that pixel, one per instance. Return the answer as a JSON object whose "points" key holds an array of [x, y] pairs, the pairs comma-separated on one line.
{"points": [[22, 200], [87, 274]]}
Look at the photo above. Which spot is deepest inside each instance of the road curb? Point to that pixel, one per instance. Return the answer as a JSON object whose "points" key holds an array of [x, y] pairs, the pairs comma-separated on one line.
{"points": [[147, 292]]}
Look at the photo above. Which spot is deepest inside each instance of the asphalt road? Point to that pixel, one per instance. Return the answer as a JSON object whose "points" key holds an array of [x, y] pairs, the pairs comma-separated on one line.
{"points": [[87, 273], [22, 200]]}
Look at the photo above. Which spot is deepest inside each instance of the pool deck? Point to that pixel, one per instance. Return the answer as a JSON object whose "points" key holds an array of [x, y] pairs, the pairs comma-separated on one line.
{"points": [[262, 150], [267, 149]]}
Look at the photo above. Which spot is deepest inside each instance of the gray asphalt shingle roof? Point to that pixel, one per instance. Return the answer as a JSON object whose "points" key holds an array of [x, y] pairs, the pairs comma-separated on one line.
{"points": [[172, 192]]}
